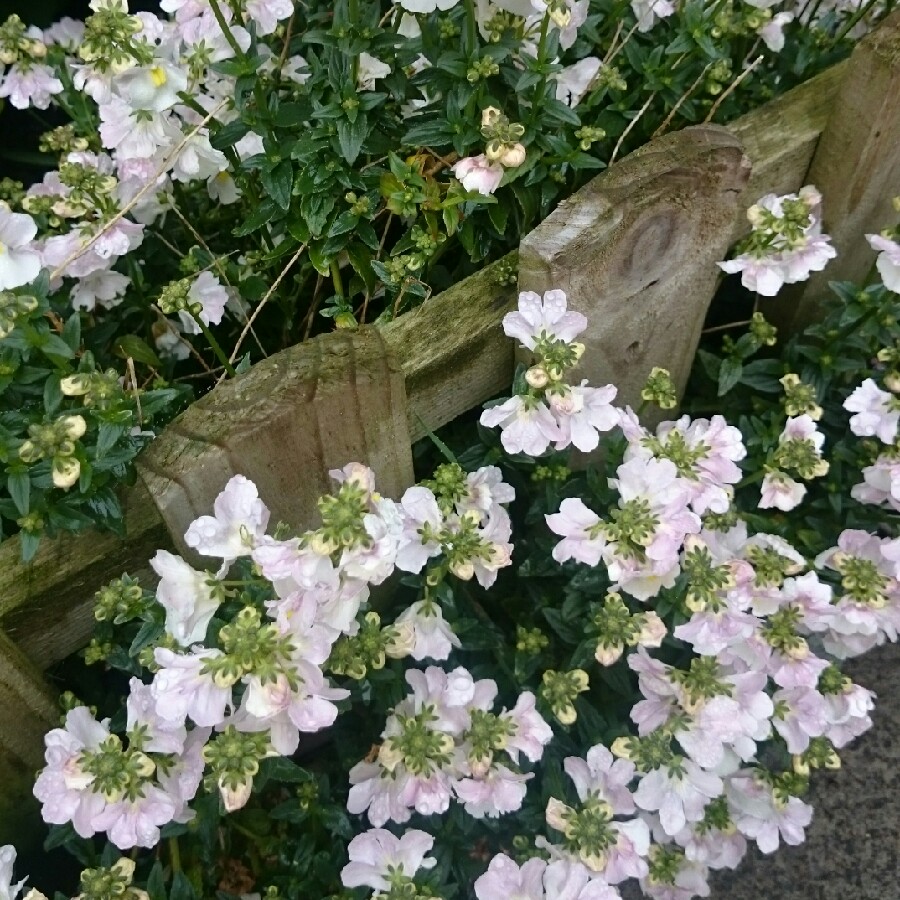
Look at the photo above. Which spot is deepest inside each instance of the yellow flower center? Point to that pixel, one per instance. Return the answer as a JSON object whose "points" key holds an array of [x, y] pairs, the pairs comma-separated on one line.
{"points": [[158, 76]]}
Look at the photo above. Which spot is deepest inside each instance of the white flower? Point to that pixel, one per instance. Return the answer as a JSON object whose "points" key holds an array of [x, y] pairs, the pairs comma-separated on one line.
{"points": [[212, 297], [888, 262], [877, 412], [772, 32], [154, 87], [8, 890], [377, 855], [187, 596], [20, 263], [370, 69], [268, 13], [426, 6], [648, 11], [573, 82]]}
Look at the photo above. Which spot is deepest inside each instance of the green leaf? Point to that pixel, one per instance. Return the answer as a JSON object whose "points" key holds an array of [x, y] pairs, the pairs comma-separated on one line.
{"points": [[29, 541], [262, 214], [71, 332], [351, 136], [130, 345], [107, 437], [156, 883], [53, 394], [321, 263], [182, 889], [19, 486], [729, 374], [54, 345], [278, 183]]}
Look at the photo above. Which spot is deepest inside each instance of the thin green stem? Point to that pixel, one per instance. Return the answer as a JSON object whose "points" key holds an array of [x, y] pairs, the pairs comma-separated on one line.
{"points": [[214, 344], [471, 40], [174, 854], [229, 36], [337, 279], [542, 67]]}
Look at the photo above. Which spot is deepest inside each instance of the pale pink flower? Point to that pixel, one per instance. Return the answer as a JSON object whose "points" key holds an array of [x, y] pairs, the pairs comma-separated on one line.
{"points": [[880, 484], [105, 288], [581, 413], [575, 523], [432, 635], [527, 425], [190, 598], [801, 714], [268, 13], [888, 262], [275, 706], [33, 86], [478, 174], [497, 792], [781, 492], [162, 734], [181, 690], [679, 794], [648, 11], [877, 412], [848, 714], [599, 774], [760, 817], [63, 788], [532, 733], [689, 882], [505, 879], [136, 823], [421, 520], [377, 855], [546, 318], [239, 519]]}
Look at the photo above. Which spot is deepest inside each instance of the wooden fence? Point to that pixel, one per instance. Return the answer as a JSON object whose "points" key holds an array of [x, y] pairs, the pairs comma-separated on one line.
{"points": [[635, 250]]}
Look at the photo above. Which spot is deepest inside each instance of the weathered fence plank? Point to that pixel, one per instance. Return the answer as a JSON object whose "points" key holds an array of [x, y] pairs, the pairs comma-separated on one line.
{"points": [[284, 424], [27, 712], [856, 167], [45, 606], [780, 138], [635, 251], [453, 350]]}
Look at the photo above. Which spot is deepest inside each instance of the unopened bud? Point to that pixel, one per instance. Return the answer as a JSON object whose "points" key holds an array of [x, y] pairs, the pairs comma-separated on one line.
{"points": [[235, 798], [490, 116], [512, 156], [463, 570], [606, 656], [537, 378]]}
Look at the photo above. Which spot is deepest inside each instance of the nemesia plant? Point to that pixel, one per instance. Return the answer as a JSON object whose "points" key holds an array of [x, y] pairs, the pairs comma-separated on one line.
{"points": [[516, 680], [232, 176]]}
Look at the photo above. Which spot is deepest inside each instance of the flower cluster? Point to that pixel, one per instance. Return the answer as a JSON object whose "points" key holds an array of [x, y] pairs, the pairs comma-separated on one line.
{"points": [[785, 245], [443, 741], [549, 411]]}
